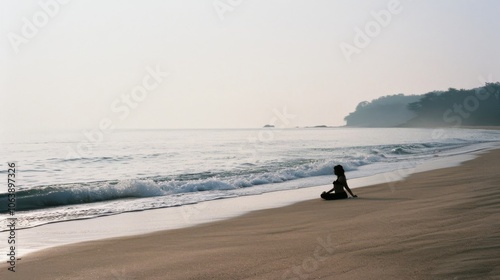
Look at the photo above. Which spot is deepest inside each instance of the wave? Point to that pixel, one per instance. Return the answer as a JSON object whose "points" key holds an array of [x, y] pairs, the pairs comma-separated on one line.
{"points": [[58, 195], [92, 159], [401, 151], [90, 192], [245, 176]]}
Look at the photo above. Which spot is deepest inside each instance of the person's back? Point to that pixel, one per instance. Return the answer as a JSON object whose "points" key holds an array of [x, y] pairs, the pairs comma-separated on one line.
{"points": [[339, 184]]}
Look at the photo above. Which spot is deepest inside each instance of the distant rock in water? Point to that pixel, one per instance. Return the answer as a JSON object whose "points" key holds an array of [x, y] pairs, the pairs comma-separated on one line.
{"points": [[269, 125], [318, 126]]}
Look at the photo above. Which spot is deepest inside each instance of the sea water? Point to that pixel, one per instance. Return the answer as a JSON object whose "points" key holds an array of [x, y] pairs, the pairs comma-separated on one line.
{"points": [[64, 176]]}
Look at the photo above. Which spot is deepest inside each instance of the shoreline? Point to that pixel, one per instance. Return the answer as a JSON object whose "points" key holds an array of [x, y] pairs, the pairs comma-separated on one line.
{"points": [[293, 222], [191, 215]]}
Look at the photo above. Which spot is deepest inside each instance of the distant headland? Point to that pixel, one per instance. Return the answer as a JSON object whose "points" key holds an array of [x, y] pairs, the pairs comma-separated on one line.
{"points": [[451, 108]]}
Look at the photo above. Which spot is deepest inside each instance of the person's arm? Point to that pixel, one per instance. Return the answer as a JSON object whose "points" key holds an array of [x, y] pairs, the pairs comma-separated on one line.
{"points": [[334, 182], [343, 181], [349, 191]]}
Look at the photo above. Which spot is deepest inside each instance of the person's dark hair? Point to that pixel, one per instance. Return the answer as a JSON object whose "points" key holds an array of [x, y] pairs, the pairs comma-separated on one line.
{"points": [[339, 170]]}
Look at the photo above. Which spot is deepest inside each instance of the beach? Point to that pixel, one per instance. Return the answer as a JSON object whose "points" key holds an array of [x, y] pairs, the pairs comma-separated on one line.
{"points": [[439, 224], [233, 139]]}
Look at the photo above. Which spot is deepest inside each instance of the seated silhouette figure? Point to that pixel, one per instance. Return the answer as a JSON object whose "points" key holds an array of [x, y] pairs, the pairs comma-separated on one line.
{"points": [[338, 186]]}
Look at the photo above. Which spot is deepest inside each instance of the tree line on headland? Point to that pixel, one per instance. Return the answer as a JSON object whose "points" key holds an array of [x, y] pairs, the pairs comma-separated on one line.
{"points": [[451, 108]]}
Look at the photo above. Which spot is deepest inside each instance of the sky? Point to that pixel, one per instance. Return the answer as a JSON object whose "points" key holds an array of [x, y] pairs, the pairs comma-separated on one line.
{"points": [[155, 64]]}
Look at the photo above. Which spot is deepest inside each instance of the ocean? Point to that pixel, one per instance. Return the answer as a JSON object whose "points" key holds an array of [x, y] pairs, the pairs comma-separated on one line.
{"points": [[62, 176]]}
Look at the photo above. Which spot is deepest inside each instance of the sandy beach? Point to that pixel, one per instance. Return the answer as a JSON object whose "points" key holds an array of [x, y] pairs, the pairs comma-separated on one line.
{"points": [[200, 139], [440, 224]]}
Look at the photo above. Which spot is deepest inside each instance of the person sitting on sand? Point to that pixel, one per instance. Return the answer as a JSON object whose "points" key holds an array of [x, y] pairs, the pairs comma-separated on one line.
{"points": [[338, 186]]}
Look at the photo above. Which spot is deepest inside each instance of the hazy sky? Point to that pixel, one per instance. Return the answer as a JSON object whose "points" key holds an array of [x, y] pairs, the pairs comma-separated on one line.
{"points": [[231, 62]]}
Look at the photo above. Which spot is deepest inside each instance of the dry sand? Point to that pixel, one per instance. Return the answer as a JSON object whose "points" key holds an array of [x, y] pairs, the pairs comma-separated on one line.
{"points": [[441, 224]]}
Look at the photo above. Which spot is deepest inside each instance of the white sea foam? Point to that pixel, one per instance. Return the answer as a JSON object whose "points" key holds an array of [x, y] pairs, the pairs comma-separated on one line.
{"points": [[124, 178]]}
